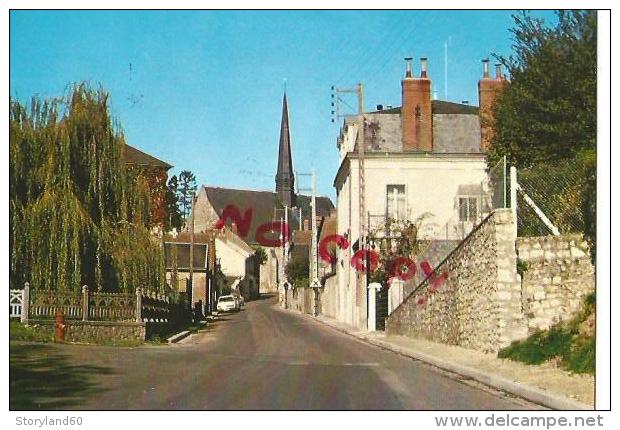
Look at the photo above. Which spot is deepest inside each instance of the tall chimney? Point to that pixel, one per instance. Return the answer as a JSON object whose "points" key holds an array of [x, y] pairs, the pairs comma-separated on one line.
{"points": [[416, 114], [488, 91]]}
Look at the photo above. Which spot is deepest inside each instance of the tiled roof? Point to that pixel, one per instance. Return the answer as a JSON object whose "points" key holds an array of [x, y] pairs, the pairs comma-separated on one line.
{"points": [[135, 156]]}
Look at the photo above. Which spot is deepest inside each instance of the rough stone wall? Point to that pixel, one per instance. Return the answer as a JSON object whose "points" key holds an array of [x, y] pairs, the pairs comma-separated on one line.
{"points": [[556, 274], [479, 304], [97, 331]]}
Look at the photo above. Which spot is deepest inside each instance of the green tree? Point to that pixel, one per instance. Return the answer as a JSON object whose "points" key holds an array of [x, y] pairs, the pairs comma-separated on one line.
{"points": [[548, 110], [175, 218], [186, 190], [298, 270], [260, 255], [546, 115], [77, 215]]}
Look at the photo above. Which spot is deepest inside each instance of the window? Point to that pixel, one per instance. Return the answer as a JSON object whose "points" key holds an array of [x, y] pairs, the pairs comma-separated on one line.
{"points": [[396, 204], [468, 208]]}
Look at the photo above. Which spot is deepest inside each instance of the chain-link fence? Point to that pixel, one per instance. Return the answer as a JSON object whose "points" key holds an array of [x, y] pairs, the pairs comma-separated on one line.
{"points": [[550, 199]]}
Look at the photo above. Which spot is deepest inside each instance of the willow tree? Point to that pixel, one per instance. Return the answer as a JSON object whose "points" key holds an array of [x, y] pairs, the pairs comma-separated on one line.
{"points": [[77, 215]]}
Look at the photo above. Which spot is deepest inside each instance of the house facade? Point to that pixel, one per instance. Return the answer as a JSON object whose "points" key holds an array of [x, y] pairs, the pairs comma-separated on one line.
{"points": [[423, 163], [155, 172]]}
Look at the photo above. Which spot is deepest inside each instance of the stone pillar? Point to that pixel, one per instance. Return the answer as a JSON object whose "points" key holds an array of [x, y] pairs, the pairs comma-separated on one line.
{"points": [[25, 302], [512, 324], [138, 304], [85, 304]]}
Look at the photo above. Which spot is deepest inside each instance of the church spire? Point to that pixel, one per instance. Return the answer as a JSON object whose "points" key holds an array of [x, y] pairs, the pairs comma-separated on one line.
{"points": [[285, 179]]}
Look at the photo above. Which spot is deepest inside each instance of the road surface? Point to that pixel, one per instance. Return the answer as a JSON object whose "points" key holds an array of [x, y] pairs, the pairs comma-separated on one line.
{"points": [[260, 358]]}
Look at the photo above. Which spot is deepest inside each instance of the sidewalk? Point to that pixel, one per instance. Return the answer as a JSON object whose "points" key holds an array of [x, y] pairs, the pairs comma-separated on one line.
{"points": [[542, 384]]}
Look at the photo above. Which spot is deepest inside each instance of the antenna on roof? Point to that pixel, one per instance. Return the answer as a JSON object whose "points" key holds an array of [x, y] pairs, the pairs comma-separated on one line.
{"points": [[445, 68]]}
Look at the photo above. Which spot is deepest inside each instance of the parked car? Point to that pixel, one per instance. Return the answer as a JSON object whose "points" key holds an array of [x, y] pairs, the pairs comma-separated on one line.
{"points": [[227, 303]]}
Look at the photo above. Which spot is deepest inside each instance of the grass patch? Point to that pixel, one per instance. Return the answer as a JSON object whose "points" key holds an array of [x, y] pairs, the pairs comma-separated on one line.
{"points": [[24, 332], [567, 342]]}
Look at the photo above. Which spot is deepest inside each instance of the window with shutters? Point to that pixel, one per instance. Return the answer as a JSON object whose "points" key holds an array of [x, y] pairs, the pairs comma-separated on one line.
{"points": [[468, 208]]}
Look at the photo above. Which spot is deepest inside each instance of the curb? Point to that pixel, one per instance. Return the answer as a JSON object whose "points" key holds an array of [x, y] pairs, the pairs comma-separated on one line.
{"points": [[527, 392], [177, 337]]}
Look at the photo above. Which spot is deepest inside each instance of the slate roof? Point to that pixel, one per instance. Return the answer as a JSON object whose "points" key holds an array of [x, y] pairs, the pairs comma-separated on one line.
{"points": [[456, 129], [135, 156], [439, 107], [263, 204]]}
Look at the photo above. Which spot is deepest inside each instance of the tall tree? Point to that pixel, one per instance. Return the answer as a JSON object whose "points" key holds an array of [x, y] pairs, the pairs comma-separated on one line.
{"points": [[546, 115], [548, 111], [77, 215], [175, 218], [186, 190]]}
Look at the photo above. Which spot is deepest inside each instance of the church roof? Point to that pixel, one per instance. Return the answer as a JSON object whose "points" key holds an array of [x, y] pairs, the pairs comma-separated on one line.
{"points": [[285, 160], [263, 205]]}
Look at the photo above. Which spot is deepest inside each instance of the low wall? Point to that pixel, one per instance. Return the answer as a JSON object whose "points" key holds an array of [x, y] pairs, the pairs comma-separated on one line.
{"points": [[97, 331], [556, 273], [479, 304]]}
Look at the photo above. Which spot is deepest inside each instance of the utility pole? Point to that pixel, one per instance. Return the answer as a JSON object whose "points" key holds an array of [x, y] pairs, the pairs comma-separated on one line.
{"points": [[338, 101], [313, 250], [362, 292], [191, 260]]}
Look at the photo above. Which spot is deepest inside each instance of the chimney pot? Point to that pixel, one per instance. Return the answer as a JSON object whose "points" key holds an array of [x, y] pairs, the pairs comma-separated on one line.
{"points": [[498, 72], [408, 69], [423, 64], [485, 68]]}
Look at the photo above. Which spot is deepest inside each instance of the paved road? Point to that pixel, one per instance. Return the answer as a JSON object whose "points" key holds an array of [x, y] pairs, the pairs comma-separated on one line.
{"points": [[260, 358]]}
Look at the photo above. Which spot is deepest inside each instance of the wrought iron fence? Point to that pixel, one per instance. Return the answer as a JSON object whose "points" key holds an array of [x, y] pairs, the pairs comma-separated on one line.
{"points": [[141, 306]]}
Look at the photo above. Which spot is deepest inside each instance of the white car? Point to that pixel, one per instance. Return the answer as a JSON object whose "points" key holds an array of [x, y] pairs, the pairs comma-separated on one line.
{"points": [[226, 304]]}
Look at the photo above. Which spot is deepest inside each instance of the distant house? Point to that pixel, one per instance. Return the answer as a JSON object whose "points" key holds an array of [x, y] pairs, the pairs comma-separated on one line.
{"points": [[155, 171], [425, 158], [238, 264]]}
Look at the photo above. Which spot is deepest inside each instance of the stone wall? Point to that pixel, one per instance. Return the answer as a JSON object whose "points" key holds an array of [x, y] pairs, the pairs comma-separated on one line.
{"points": [[479, 304], [97, 331], [556, 274]]}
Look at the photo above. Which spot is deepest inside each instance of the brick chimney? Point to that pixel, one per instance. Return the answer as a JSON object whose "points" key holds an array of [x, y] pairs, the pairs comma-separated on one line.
{"points": [[416, 113], [488, 90]]}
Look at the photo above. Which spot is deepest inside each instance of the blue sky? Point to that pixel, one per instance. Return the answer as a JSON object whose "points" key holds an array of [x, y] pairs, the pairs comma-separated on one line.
{"points": [[204, 88]]}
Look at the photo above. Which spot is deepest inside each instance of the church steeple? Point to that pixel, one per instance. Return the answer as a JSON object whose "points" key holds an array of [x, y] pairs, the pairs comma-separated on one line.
{"points": [[285, 179]]}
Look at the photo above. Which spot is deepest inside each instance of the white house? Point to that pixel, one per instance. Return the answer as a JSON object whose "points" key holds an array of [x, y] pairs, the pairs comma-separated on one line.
{"points": [[423, 159]]}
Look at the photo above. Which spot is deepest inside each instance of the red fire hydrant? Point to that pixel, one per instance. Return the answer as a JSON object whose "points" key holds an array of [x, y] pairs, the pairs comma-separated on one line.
{"points": [[60, 326]]}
